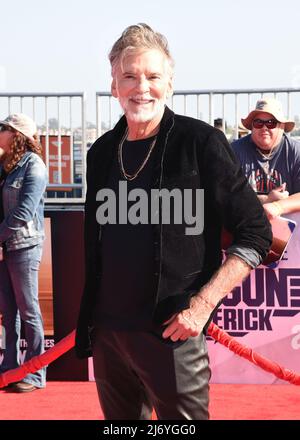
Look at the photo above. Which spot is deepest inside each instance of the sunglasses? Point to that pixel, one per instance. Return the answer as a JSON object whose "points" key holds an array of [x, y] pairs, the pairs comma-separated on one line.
{"points": [[269, 123], [4, 127]]}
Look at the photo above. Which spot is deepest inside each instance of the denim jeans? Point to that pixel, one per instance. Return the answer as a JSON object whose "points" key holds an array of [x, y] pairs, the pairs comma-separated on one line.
{"points": [[19, 299]]}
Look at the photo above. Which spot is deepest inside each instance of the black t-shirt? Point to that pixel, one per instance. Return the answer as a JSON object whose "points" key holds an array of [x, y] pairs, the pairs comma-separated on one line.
{"points": [[126, 296]]}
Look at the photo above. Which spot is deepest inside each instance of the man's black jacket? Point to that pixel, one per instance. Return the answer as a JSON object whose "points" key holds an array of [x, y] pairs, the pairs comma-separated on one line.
{"points": [[188, 154]]}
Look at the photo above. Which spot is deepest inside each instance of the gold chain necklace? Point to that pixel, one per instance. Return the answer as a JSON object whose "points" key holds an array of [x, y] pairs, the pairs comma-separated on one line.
{"points": [[120, 158]]}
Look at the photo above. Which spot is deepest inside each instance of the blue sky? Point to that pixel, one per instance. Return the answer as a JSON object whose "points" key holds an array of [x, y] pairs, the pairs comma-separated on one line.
{"points": [[62, 45]]}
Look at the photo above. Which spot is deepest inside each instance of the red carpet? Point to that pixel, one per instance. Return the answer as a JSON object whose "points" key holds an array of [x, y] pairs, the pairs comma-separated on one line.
{"points": [[78, 401]]}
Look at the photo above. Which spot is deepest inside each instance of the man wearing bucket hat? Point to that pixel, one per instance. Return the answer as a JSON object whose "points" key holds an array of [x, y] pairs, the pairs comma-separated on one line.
{"points": [[23, 178], [271, 159]]}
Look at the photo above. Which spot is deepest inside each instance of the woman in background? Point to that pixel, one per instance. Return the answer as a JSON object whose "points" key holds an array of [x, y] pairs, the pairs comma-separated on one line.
{"points": [[23, 178]]}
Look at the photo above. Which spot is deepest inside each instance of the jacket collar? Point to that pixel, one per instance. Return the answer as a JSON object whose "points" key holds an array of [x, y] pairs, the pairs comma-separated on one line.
{"points": [[165, 123], [24, 158], [107, 153], [21, 162]]}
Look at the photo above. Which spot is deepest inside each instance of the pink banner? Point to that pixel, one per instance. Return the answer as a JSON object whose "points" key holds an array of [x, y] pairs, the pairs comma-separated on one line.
{"points": [[264, 314]]}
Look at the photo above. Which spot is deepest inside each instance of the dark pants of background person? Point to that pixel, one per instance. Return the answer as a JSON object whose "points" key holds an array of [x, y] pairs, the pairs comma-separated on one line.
{"points": [[136, 371]]}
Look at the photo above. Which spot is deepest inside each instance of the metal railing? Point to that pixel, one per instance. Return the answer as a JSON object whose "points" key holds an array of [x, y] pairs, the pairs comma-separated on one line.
{"points": [[61, 121], [229, 105]]}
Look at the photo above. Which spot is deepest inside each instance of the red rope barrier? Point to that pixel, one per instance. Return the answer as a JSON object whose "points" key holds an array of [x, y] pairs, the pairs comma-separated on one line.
{"points": [[246, 352], [214, 331], [37, 362]]}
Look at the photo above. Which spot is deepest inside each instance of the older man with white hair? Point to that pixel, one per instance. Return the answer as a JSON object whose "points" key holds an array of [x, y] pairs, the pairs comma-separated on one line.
{"points": [[270, 158], [152, 284]]}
